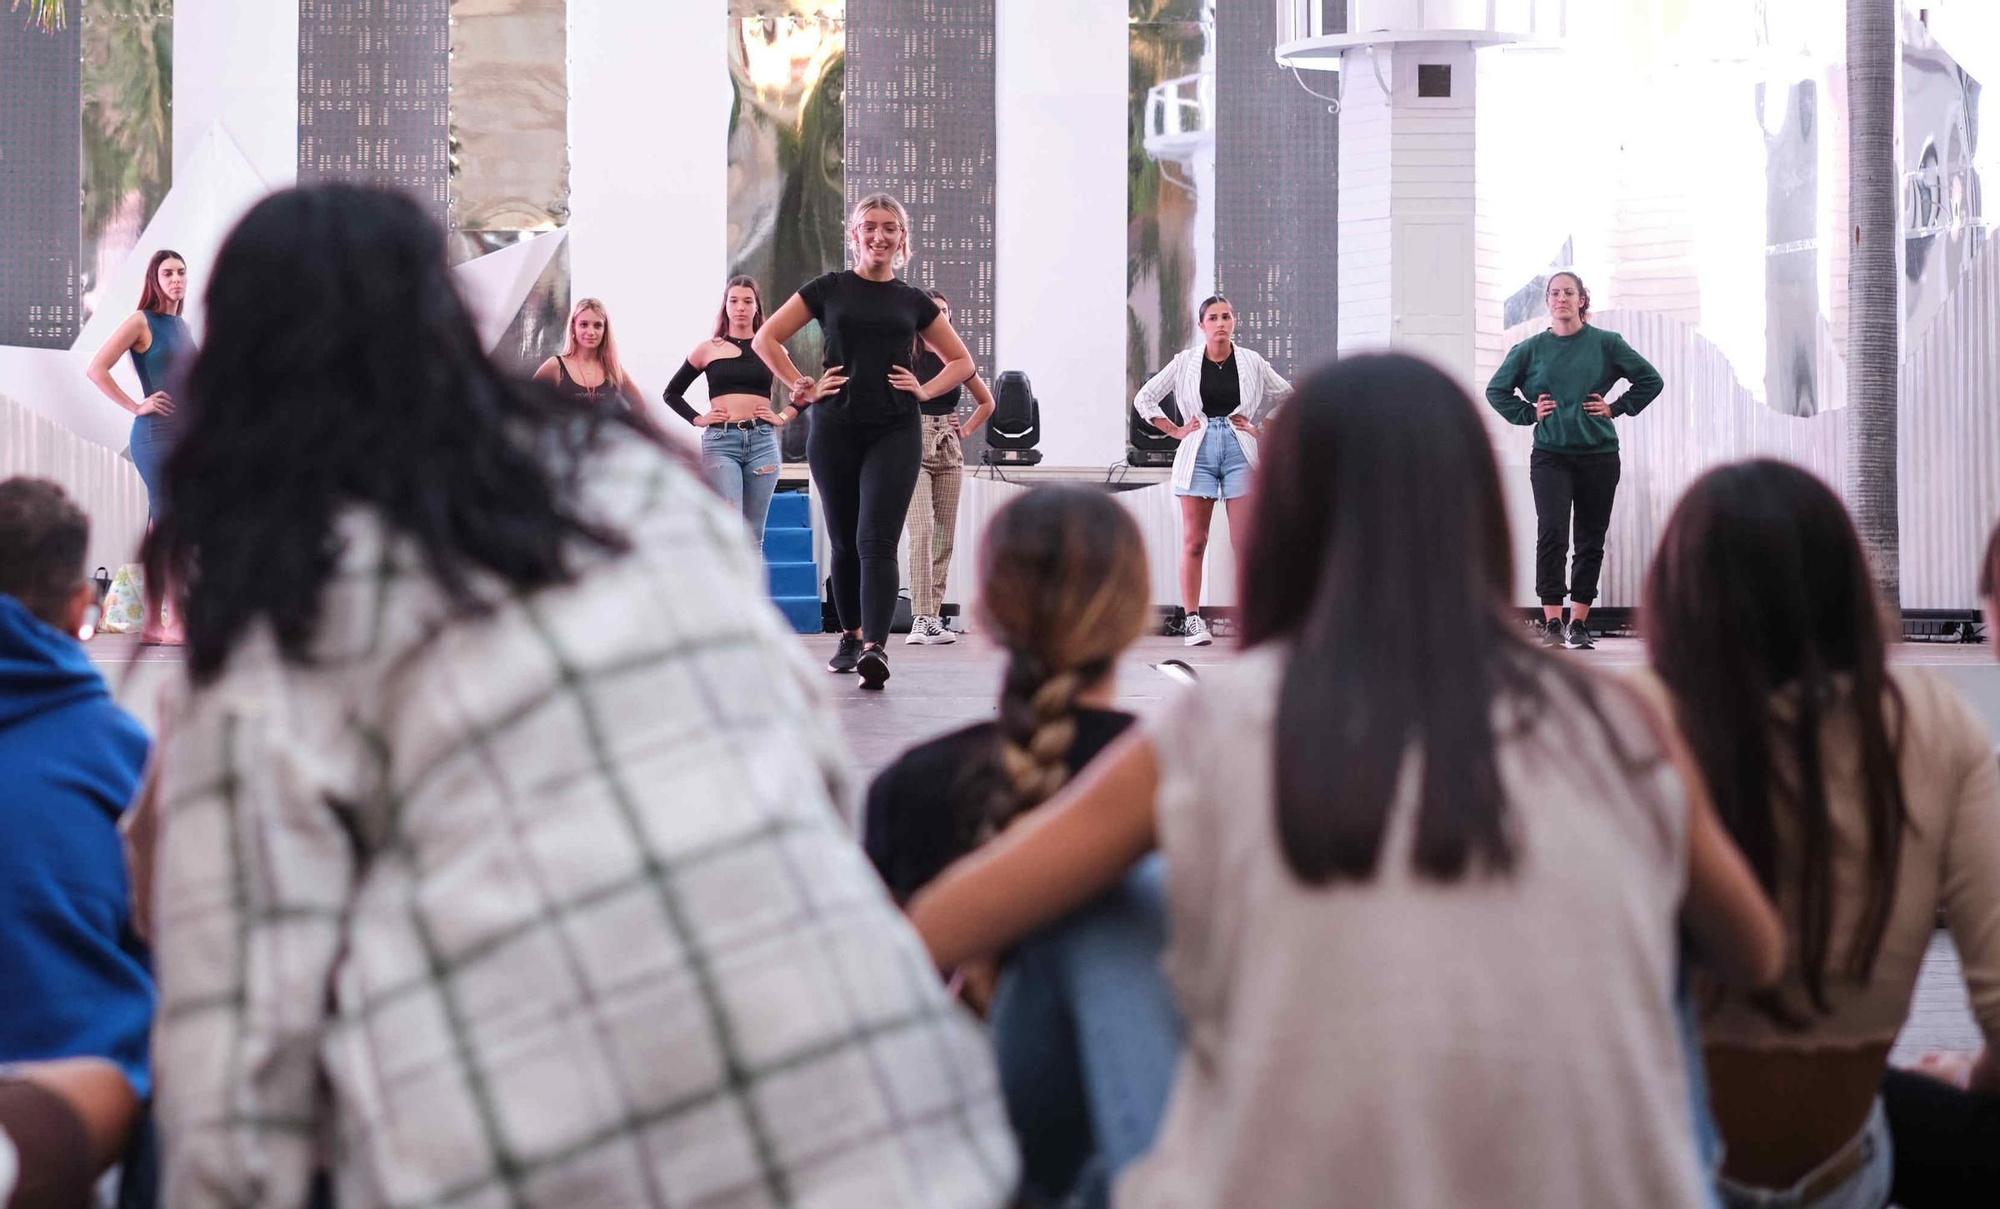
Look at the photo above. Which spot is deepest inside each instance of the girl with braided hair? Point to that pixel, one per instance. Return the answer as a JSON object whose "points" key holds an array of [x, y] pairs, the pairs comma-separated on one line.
{"points": [[1085, 1062]]}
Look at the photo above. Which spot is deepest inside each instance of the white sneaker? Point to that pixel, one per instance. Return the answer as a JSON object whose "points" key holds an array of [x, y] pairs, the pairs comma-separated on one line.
{"points": [[928, 631], [1195, 632]]}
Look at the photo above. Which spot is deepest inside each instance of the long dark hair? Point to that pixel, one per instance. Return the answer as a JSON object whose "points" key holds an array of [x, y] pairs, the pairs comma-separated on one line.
{"points": [[342, 369], [722, 309], [151, 296], [1989, 573], [1760, 594], [1378, 484], [1065, 589]]}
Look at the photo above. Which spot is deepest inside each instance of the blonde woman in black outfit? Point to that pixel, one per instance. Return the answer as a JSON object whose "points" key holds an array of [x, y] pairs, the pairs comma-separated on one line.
{"points": [[587, 370], [866, 444]]}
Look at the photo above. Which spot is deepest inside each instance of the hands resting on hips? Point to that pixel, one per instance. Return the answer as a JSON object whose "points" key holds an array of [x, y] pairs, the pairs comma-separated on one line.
{"points": [[1593, 405]]}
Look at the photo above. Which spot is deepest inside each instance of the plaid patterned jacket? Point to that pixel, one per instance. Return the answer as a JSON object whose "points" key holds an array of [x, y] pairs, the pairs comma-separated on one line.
{"points": [[554, 906]]}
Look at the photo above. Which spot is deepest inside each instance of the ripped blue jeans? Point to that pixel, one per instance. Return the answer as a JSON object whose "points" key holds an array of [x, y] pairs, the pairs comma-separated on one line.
{"points": [[742, 466]]}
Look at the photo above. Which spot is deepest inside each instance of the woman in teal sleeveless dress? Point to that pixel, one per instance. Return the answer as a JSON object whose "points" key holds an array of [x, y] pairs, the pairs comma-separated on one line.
{"points": [[159, 341]]}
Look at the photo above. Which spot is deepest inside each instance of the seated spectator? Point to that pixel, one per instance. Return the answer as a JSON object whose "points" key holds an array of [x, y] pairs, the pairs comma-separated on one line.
{"points": [[501, 854], [73, 974], [1082, 1022], [1865, 796], [62, 1124], [1944, 1115], [1426, 895]]}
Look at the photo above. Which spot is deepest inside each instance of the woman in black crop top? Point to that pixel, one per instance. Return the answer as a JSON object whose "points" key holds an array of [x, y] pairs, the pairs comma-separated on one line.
{"points": [[587, 370], [933, 519], [739, 439], [866, 444]]}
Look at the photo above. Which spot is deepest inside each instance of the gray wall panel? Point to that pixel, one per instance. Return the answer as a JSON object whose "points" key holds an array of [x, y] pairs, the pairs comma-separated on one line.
{"points": [[1276, 155], [919, 126], [41, 141], [374, 93]]}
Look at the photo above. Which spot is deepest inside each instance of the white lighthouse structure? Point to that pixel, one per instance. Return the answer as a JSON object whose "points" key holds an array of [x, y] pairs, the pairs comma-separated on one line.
{"points": [[1403, 73]]}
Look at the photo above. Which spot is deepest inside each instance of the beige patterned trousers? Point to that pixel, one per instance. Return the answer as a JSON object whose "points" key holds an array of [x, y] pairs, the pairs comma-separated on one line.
{"points": [[933, 516]]}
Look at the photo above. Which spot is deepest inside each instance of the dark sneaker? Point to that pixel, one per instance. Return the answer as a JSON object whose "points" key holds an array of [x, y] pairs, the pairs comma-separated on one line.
{"points": [[846, 655], [1578, 638], [1552, 632], [874, 667]]}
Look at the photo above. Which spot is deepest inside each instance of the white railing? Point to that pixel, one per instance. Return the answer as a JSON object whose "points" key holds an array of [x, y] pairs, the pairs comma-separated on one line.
{"points": [[1306, 20]]}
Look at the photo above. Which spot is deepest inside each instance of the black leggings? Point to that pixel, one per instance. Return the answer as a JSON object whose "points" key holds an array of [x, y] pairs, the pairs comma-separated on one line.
{"points": [[1586, 483], [1946, 1142], [866, 474]]}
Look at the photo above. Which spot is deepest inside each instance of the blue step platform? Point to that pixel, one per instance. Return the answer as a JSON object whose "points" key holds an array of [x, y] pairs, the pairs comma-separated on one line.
{"points": [[788, 551]]}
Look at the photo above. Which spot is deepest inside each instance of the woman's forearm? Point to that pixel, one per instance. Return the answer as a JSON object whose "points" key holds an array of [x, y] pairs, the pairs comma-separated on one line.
{"points": [[101, 378], [776, 358]]}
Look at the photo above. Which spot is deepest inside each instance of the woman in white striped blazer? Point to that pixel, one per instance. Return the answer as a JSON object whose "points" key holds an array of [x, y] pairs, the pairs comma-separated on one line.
{"points": [[1225, 394]]}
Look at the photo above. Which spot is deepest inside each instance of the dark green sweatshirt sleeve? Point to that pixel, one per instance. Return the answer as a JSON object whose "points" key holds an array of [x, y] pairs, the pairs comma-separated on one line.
{"points": [[1503, 391], [1645, 381]]}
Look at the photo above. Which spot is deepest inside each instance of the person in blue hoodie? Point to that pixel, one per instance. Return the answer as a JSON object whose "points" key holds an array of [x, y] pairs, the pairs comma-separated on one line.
{"points": [[73, 973]]}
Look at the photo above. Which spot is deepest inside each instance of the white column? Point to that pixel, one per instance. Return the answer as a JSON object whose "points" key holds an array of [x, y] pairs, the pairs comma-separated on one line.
{"points": [[1061, 74]]}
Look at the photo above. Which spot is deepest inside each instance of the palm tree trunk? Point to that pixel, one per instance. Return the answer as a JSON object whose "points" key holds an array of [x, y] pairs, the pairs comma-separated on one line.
{"points": [[1873, 306]]}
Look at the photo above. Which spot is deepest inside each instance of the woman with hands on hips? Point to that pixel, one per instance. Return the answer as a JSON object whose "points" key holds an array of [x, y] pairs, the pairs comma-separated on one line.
{"points": [[866, 444], [1237, 391]]}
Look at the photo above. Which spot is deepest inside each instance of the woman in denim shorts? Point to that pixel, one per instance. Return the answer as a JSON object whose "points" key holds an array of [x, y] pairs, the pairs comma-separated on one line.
{"points": [[1225, 393]]}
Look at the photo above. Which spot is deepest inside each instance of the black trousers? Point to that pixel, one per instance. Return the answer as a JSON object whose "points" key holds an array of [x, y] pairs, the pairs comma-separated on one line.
{"points": [[1584, 484], [1946, 1141], [866, 474]]}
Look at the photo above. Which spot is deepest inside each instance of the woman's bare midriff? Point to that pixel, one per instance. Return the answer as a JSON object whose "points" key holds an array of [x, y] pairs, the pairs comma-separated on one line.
{"points": [[1783, 1112], [741, 407]]}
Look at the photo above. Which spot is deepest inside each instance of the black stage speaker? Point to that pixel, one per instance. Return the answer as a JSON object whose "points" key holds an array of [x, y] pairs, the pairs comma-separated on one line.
{"points": [[1146, 445], [1016, 426]]}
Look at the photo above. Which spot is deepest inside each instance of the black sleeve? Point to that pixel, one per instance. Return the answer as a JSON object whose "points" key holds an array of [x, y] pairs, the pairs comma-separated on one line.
{"points": [[878, 829], [927, 309], [676, 392], [814, 294]]}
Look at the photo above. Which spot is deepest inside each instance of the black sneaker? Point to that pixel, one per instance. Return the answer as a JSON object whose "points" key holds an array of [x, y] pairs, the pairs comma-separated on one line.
{"points": [[1578, 638], [846, 655], [874, 667], [1552, 632]]}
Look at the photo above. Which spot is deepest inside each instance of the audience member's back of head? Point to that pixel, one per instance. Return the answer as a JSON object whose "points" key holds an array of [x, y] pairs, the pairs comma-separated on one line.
{"points": [[1759, 591], [341, 368], [74, 974], [1380, 553], [43, 537], [1064, 588]]}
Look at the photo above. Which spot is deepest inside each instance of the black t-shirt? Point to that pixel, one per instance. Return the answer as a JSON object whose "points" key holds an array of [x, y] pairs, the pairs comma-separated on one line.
{"points": [[1221, 392], [908, 825], [930, 365], [870, 328]]}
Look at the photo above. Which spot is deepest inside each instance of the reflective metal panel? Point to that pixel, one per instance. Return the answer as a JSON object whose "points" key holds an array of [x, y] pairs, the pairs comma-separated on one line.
{"points": [[1943, 204], [509, 115], [1170, 181], [787, 68], [128, 131], [536, 332]]}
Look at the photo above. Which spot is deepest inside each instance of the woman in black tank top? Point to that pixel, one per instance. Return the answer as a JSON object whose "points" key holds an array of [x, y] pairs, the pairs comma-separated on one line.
{"points": [[587, 369], [739, 438]]}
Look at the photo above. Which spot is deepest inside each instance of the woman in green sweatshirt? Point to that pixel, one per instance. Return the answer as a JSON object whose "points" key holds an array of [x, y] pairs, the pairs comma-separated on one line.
{"points": [[1557, 380]]}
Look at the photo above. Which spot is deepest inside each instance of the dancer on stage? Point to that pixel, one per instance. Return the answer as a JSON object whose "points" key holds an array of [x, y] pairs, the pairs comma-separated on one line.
{"points": [[159, 340], [1557, 380], [933, 521], [1237, 391], [866, 444], [587, 369], [739, 439]]}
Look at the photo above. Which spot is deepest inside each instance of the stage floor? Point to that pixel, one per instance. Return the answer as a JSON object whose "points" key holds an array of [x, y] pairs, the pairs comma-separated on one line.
{"points": [[933, 689]]}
